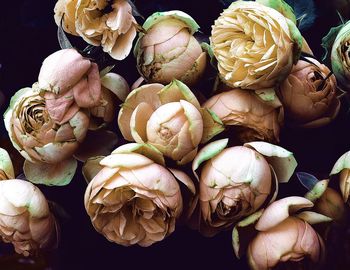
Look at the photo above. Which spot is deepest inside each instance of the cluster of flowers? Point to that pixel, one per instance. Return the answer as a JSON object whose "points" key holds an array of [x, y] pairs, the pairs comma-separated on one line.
{"points": [[267, 75]]}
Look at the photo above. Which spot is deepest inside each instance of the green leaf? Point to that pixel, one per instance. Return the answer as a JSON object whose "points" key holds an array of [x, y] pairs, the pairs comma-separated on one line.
{"points": [[298, 40], [209, 50], [328, 40], [307, 180], [282, 7]]}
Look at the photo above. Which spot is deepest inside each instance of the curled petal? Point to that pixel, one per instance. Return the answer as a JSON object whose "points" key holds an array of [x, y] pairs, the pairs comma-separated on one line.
{"points": [[280, 210], [117, 84], [61, 70], [282, 161]]}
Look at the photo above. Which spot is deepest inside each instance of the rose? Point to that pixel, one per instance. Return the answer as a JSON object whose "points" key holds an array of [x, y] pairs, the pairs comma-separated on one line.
{"points": [[168, 49], [283, 237], [25, 218], [255, 45], [251, 117], [169, 118], [308, 94], [69, 82], [132, 199], [340, 56], [114, 30], [34, 133], [236, 181], [6, 167]]}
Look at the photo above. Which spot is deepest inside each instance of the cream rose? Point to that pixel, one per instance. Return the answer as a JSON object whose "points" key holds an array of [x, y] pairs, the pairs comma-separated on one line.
{"points": [[255, 45], [169, 118], [132, 199], [109, 24]]}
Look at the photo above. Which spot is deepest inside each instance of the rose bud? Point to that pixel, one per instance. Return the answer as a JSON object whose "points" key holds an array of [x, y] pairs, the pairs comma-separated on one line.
{"points": [[131, 199], [168, 49], [169, 118], [69, 82], [255, 45], [109, 24], [6, 167], [248, 115], [341, 169], [308, 94], [25, 218], [340, 57], [283, 238], [41, 140], [235, 182]]}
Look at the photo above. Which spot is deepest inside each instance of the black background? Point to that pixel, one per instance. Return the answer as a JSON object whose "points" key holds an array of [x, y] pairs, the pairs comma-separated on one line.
{"points": [[28, 35]]}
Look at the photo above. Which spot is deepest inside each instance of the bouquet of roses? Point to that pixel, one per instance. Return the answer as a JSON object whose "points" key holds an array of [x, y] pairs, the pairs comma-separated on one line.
{"points": [[194, 140]]}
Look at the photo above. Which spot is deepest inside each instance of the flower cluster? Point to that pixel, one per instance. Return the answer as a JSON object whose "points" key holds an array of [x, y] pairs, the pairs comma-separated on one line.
{"points": [[198, 131], [49, 121]]}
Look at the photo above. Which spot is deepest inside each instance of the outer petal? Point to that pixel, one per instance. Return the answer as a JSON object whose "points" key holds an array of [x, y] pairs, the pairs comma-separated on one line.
{"points": [[280, 210]]}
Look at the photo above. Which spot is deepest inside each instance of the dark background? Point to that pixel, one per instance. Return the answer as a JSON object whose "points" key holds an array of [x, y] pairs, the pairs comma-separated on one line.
{"points": [[28, 35]]}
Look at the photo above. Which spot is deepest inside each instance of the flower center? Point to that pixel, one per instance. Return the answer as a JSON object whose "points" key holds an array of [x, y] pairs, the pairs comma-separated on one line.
{"points": [[34, 115], [165, 133]]}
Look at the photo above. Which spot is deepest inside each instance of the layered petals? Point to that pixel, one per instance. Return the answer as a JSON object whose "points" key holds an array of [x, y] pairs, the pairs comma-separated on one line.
{"points": [[308, 94], [25, 218], [251, 117], [253, 45], [168, 50], [36, 135], [133, 200], [109, 24]]}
